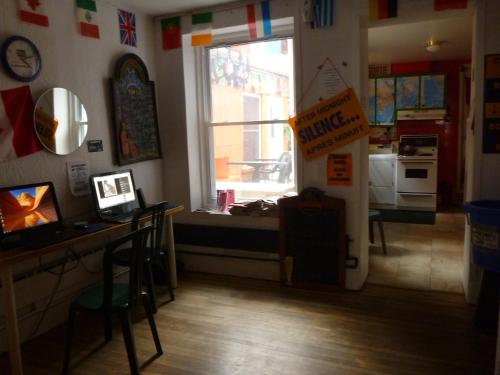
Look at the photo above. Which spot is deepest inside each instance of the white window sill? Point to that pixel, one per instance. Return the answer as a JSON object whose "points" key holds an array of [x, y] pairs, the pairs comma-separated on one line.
{"points": [[221, 219]]}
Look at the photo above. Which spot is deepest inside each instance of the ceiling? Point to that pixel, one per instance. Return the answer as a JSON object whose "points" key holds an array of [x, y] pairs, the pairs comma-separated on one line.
{"points": [[162, 7], [406, 43]]}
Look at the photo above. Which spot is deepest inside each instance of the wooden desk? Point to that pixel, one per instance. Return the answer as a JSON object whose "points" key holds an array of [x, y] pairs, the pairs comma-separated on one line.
{"points": [[9, 258]]}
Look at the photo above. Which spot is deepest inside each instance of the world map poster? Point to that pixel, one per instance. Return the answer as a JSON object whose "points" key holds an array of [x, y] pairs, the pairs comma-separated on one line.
{"points": [[432, 91], [385, 101], [407, 91]]}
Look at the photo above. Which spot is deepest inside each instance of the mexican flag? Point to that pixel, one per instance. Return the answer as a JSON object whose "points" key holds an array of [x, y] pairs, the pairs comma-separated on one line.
{"points": [[86, 15], [201, 31], [33, 11], [17, 134]]}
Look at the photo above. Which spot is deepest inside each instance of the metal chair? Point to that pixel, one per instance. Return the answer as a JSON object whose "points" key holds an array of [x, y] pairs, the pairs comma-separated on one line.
{"points": [[113, 298], [155, 214], [283, 168], [375, 215]]}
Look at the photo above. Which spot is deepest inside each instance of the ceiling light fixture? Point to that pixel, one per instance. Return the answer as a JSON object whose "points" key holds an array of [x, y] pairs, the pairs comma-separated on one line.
{"points": [[433, 45]]}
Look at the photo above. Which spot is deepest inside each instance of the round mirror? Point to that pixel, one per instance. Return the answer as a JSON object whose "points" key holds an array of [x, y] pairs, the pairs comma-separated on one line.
{"points": [[60, 121]]}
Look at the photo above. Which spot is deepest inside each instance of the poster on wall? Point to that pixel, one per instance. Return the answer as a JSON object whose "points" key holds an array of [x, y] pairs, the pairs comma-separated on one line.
{"points": [[339, 170], [329, 125], [135, 119], [491, 115]]}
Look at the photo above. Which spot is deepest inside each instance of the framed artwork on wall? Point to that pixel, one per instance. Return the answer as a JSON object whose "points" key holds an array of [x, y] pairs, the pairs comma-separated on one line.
{"points": [[432, 91], [134, 112], [407, 92], [385, 111]]}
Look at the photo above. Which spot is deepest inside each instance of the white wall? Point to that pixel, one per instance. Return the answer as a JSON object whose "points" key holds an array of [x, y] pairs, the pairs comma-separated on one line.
{"points": [[83, 65], [340, 43], [481, 170]]}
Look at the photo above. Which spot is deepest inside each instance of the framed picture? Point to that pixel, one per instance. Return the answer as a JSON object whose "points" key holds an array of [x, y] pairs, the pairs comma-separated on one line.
{"points": [[134, 112], [432, 91], [407, 92], [385, 110]]}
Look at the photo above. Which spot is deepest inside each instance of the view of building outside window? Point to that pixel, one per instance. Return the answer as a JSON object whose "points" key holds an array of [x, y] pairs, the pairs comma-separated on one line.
{"points": [[252, 97]]}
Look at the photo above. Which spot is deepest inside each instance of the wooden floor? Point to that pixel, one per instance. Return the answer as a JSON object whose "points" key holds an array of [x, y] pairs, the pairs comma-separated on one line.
{"points": [[221, 325]]}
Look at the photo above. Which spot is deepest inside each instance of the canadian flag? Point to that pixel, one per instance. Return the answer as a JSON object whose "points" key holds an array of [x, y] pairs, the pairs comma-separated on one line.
{"points": [[34, 11], [17, 134]]}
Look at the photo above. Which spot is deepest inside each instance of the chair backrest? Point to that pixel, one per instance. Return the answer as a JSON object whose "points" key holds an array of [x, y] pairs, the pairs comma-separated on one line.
{"points": [[284, 169], [138, 255], [154, 214]]}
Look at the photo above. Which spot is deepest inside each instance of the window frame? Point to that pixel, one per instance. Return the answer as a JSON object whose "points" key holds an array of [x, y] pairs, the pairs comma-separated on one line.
{"points": [[205, 123]]}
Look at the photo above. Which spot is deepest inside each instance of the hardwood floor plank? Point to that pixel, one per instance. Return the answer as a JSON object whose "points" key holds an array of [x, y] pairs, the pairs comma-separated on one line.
{"points": [[225, 325]]}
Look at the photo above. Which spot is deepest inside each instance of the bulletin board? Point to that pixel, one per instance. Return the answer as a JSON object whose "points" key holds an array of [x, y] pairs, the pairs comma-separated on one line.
{"points": [[134, 112]]}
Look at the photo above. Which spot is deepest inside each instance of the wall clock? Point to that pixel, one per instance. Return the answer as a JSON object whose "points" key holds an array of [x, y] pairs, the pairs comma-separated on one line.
{"points": [[21, 58]]}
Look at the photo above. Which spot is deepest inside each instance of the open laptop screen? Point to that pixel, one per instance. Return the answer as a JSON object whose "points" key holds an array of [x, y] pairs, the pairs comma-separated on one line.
{"points": [[113, 189], [26, 207]]}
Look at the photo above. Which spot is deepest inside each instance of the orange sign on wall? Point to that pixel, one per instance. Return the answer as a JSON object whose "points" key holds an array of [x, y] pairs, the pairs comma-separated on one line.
{"points": [[339, 170], [329, 125]]}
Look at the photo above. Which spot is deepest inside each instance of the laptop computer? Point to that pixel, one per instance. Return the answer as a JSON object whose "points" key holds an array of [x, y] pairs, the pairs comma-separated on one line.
{"points": [[114, 196]]}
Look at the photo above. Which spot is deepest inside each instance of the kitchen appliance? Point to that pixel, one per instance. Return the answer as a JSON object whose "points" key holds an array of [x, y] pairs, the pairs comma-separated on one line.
{"points": [[381, 183], [416, 172]]}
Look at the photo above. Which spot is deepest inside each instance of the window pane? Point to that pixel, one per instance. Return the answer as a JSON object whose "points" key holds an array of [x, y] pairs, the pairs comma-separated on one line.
{"points": [[254, 160], [252, 82]]}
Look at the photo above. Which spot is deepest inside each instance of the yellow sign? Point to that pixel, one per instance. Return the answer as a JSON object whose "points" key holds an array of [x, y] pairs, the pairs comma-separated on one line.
{"points": [[329, 125], [339, 170]]}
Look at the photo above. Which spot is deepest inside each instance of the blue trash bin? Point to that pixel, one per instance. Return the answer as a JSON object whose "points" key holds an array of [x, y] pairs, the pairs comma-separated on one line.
{"points": [[484, 218]]}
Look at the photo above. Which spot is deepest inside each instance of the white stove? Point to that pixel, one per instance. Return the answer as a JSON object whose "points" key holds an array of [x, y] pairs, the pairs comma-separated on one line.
{"points": [[416, 172]]}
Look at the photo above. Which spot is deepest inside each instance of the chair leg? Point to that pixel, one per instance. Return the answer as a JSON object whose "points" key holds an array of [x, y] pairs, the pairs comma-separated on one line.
{"points": [[146, 300], [69, 337], [150, 285], [382, 237], [167, 270], [128, 336], [370, 230], [108, 327]]}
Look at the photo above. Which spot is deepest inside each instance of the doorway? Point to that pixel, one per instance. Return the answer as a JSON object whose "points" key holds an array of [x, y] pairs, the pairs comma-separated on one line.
{"points": [[418, 98]]}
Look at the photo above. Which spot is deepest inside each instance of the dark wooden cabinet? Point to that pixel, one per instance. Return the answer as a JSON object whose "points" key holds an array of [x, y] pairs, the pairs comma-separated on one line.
{"points": [[312, 240]]}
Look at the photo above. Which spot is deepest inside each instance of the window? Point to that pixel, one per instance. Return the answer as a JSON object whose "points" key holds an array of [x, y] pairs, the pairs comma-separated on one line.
{"points": [[249, 96]]}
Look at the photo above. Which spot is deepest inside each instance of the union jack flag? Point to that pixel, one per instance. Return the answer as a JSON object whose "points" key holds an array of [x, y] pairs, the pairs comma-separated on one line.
{"points": [[128, 33]]}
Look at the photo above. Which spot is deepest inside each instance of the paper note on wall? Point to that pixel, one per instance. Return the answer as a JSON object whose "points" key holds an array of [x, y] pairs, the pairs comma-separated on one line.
{"points": [[78, 178], [330, 82], [329, 125], [339, 170]]}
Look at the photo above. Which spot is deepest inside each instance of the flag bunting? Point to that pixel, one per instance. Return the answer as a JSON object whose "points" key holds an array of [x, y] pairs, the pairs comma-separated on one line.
{"points": [[381, 9], [323, 13], [449, 4], [33, 11], [171, 33], [259, 20], [128, 35], [17, 134], [86, 11], [201, 31]]}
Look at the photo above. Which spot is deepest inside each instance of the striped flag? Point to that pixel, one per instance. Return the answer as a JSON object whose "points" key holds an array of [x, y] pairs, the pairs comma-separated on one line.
{"points": [[201, 31], [128, 34], [86, 12], [171, 32], [259, 20], [17, 134], [380, 9], [323, 13], [449, 4], [33, 11]]}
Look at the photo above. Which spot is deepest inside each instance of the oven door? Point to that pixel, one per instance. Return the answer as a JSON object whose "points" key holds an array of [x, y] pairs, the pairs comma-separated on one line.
{"points": [[417, 176]]}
